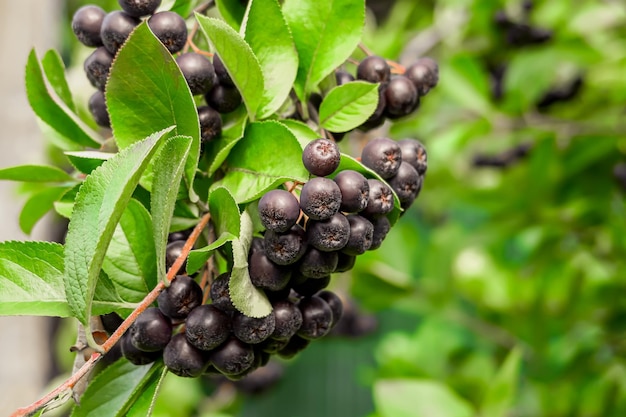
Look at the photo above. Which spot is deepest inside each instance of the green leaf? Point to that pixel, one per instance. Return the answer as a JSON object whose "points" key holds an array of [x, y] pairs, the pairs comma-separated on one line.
{"points": [[130, 261], [301, 131], [144, 403], [168, 170], [326, 33], [418, 398], [54, 70], [267, 156], [239, 60], [53, 111], [87, 161], [501, 392], [248, 299], [269, 37], [217, 150], [232, 11], [348, 106], [35, 173], [184, 7], [99, 205], [38, 205], [146, 92], [465, 82]]}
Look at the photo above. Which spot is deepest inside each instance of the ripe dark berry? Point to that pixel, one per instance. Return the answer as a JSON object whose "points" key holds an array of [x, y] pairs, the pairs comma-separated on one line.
{"points": [[383, 156], [136, 356], [98, 109], [266, 274], [172, 252], [329, 235], [346, 262], [320, 198], [139, 8], [373, 69], [183, 359], [183, 295], [355, 190], [210, 123], [233, 357], [296, 345], [414, 153], [318, 264], [223, 99], [97, 66], [198, 72], [361, 232], [220, 292], [111, 322], [253, 330], [288, 319], [381, 228], [317, 318], [401, 97], [380, 201], [285, 248], [272, 345], [207, 327], [343, 77], [151, 331], [280, 294], [311, 286], [321, 157], [407, 184], [222, 74], [86, 24], [116, 28], [279, 210], [424, 74], [377, 118], [335, 303], [170, 29]]}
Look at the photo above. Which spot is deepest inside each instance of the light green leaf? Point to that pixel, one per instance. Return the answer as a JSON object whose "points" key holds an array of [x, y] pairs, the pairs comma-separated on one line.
{"points": [[501, 392], [348, 106], [35, 173], [184, 7], [465, 82], [301, 131], [232, 11], [87, 161], [54, 70], [38, 205]]}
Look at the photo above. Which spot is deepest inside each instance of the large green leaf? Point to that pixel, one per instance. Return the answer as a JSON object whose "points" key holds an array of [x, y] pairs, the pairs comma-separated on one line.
{"points": [[239, 60], [38, 205], [35, 173], [100, 203], [326, 33], [501, 393], [267, 156], [54, 70], [269, 37], [143, 404], [232, 11], [146, 92], [301, 131], [348, 106]]}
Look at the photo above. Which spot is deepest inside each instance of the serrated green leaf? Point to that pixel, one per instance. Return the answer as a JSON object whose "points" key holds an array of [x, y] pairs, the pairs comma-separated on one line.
{"points": [[232, 11], [217, 150], [38, 205], [239, 60], [35, 173], [65, 204], [301, 131], [268, 155], [146, 92], [501, 392], [87, 161], [54, 69], [268, 35], [168, 170], [325, 33], [248, 299], [143, 405], [348, 106], [53, 111], [100, 203]]}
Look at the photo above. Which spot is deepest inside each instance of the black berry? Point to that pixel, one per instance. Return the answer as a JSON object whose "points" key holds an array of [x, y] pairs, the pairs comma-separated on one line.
{"points": [[335, 304], [346, 262], [97, 66], [222, 74], [380, 201], [321, 157], [318, 264], [311, 286], [317, 318], [198, 72], [279, 210], [111, 322], [373, 69], [381, 228], [136, 356], [266, 274], [383, 156], [343, 77], [361, 233], [329, 235], [86, 24], [355, 190], [170, 29], [288, 319], [172, 252], [183, 295], [424, 74], [400, 97], [220, 292], [224, 99], [98, 109], [296, 345], [207, 327], [151, 331], [139, 8], [253, 330], [210, 123], [414, 153], [183, 359], [377, 118], [233, 357], [407, 184], [116, 28], [285, 248], [320, 198]]}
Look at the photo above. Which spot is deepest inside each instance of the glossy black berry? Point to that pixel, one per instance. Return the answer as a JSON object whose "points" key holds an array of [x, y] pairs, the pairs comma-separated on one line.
{"points": [[86, 24], [381, 228], [97, 66], [414, 153], [172, 252], [285, 248], [400, 97], [329, 235], [288, 319], [222, 74], [183, 359], [380, 201], [383, 156], [220, 292], [151, 331], [224, 99], [265, 274], [318, 264], [361, 233], [207, 327], [321, 157], [279, 210], [198, 72], [320, 198], [116, 28], [233, 357], [136, 356], [183, 295], [343, 77], [139, 8], [335, 304], [170, 29], [407, 184], [210, 123], [253, 330], [373, 69], [98, 109], [111, 322], [296, 345], [280, 294], [355, 190], [311, 286], [424, 73], [317, 318]]}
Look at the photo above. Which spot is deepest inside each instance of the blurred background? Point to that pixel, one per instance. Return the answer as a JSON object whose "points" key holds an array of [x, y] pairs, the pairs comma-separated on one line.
{"points": [[501, 291]]}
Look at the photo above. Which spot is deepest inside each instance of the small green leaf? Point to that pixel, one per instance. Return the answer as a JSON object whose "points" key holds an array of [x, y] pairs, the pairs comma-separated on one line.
{"points": [[501, 392], [269, 37], [53, 111], [99, 204], [301, 131], [239, 60], [267, 156], [35, 173], [248, 299], [87, 161], [326, 33], [217, 150], [348, 106], [168, 170], [54, 70], [232, 11], [38, 205]]}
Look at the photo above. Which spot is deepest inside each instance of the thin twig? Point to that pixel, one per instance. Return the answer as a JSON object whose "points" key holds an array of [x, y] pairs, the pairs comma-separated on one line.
{"points": [[365, 49]]}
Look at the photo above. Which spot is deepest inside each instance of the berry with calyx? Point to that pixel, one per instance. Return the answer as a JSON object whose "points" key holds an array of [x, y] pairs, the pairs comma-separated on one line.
{"points": [[335, 304], [355, 190], [285, 248], [400, 97], [317, 318], [139, 8], [207, 327], [424, 74], [220, 293], [380, 201], [170, 29], [136, 356], [320, 198], [343, 77], [296, 345], [183, 295], [172, 252], [407, 184], [86, 24], [198, 72], [210, 123], [183, 359], [360, 235], [222, 74], [373, 69], [253, 330], [346, 262], [317, 264], [381, 228], [329, 235], [279, 210], [232, 357], [152, 331], [288, 319], [265, 274], [383, 156], [224, 99], [97, 66], [311, 286], [116, 28], [98, 109], [321, 157], [414, 153]]}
